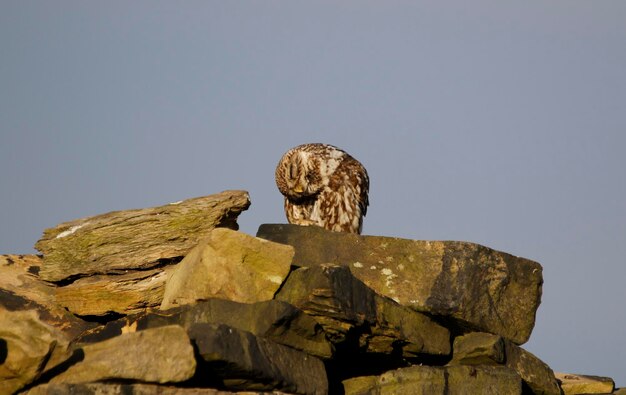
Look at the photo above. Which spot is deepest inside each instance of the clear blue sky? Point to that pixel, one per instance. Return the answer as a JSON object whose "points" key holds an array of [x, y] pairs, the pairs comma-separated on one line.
{"points": [[497, 122]]}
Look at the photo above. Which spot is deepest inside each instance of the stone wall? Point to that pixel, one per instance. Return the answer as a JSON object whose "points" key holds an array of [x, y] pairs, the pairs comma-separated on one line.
{"points": [[174, 300]]}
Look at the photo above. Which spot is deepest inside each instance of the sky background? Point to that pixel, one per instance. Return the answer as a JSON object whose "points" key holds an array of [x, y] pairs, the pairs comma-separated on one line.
{"points": [[496, 122]]}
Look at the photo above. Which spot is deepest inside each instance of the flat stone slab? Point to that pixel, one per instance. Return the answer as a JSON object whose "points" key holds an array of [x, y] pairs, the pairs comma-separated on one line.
{"points": [[475, 287], [574, 384], [101, 295], [432, 380], [135, 239]]}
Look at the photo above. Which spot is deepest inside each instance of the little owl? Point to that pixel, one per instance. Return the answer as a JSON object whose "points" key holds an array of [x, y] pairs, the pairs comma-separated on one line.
{"points": [[323, 186]]}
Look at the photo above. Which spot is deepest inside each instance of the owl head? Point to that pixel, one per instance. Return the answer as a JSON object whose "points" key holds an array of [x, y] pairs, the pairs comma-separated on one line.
{"points": [[298, 174]]}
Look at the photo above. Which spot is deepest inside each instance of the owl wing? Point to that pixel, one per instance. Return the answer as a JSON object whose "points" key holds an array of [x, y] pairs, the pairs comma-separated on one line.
{"points": [[360, 182]]}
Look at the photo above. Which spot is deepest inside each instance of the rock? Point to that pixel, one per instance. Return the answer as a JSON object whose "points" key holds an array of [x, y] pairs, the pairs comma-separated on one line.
{"points": [[486, 380], [28, 347], [22, 289], [574, 384], [131, 389], [274, 320], [243, 361], [475, 287], [160, 355], [533, 371], [430, 380], [102, 295], [229, 265], [487, 349], [345, 307], [478, 348], [135, 239]]}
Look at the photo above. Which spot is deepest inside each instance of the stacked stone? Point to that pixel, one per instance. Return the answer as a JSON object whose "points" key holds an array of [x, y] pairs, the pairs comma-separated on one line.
{"points": [[174, 300]]}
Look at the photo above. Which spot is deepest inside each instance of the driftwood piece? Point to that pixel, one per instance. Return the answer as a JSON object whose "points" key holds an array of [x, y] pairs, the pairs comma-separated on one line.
{"points": [[135, 239]]}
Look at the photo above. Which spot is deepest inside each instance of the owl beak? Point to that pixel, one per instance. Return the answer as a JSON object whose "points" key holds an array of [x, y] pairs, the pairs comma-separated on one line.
{"points": [[298, 189]]}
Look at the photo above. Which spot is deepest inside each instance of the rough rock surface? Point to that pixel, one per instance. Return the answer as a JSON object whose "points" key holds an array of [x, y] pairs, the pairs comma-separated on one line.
{"points": [[135, 239], [229, 265], [274, 320], [171, 358], [478, 348], [368, 314], [487, 349], [22, 289], [428, 380], [28, 347], [346, 307], [476, 287], [244, 361], [574, 384], [128, 293], [132, 389], [539, 377]]}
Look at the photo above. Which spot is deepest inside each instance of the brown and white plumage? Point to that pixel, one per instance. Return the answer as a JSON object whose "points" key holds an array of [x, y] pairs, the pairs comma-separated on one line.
{"points": [[324, 186]]}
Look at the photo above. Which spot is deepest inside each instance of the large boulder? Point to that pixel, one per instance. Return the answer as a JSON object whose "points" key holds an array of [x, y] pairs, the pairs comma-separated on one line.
{"points": [[242, 361], [229, 265], [135, 239], [474, 287]]}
